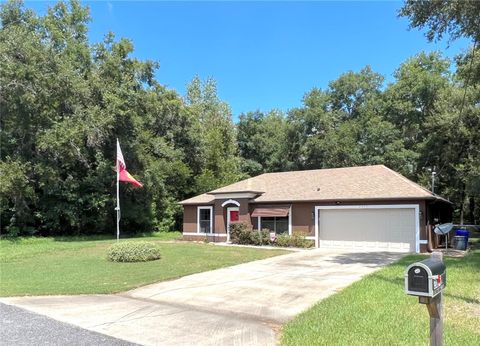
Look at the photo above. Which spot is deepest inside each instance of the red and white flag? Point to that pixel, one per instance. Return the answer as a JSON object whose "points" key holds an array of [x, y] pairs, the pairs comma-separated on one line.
{"points": [[123, 174]]}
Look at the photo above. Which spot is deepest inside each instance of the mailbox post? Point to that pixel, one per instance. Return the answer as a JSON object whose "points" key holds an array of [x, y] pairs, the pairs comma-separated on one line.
{"points": [[427, 279]]}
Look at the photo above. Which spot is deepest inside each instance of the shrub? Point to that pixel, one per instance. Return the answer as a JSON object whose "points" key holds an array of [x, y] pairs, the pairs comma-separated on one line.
{"points": [[235, 230], [282, 240], [298, 240], [128, 251], [241, 233], [295, 240], [261, 237]]}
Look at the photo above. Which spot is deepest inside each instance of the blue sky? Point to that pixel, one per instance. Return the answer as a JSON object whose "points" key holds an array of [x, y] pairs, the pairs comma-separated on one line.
{"points": [[264, 55]]}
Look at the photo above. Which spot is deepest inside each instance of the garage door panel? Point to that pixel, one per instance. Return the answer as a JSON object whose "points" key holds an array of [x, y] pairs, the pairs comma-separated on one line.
{"points": [[362, 246], [389, 229]]}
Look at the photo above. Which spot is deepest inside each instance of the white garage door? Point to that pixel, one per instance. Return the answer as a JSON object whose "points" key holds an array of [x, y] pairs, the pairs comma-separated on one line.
{"points": [[369, 229]]}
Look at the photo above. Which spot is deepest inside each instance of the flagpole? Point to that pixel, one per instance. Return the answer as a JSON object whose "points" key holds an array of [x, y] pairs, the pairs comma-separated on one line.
{"points": [[118, 194]]}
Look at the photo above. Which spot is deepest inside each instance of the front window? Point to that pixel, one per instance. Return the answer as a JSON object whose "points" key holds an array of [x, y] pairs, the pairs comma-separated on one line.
{"points": [[205, 219], [279, 225]]}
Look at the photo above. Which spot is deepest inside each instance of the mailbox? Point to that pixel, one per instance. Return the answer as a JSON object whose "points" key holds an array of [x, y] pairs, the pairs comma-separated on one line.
{"points": [[425, 278]]}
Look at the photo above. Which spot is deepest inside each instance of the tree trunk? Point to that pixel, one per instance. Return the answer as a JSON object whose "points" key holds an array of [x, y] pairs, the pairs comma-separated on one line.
{"points": [[471, 205], [462, 204]]}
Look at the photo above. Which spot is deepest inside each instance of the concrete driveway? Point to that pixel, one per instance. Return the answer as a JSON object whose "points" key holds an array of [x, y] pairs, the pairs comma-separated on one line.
{"points": [[241, 305]]}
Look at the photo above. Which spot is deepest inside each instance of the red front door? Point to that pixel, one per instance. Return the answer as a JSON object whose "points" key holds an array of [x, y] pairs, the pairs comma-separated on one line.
{"points": [[233, 215]]}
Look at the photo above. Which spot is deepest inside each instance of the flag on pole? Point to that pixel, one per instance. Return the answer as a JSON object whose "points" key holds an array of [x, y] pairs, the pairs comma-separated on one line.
{"points": [[123, 174]]}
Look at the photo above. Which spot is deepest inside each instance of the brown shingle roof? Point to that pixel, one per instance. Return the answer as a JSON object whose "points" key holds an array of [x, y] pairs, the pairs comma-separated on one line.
{"points": [[352, 183], [200, 199]]}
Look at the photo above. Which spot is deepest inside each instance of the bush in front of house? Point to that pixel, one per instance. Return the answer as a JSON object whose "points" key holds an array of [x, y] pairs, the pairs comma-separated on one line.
{"points": [[237, 232], [298, 240], [261, 237], [282, 240], [241, 233], [130, 251], [295, 240]]}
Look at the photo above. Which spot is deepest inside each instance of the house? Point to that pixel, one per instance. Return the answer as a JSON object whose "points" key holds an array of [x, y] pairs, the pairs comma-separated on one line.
{"points": [[368, 207]]}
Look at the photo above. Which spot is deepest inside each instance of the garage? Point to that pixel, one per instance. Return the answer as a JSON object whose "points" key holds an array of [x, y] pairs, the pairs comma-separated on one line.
{"points": [[368, 227]]}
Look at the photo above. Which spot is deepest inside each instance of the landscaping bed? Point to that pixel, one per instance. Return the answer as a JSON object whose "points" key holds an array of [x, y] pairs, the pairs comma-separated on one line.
{"points": [[243, 234], [45, 266]]}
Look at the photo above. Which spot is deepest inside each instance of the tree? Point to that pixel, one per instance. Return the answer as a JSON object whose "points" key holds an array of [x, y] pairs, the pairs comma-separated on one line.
{"points": [[455, 18], [16, 197], [452, 146], [261, 141], [380, 142], [64, 103], [220, 163], [411, 99], [352, 91], [306, 126], [345, 126]]}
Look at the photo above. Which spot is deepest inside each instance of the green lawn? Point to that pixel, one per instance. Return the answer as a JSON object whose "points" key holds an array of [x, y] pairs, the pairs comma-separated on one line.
{"points": [[43, 266], [376, 311]]}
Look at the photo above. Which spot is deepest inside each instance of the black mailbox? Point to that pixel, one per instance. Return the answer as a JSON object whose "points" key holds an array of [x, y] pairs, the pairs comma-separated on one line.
{"points": [[426, 278]]}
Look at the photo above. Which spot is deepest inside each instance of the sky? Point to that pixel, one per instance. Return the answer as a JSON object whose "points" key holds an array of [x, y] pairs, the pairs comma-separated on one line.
{"points": [[263, 55]]}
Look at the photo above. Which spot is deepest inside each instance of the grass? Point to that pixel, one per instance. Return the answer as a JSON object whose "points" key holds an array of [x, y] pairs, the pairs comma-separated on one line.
{"points": [[376, 311], [48, 266]]}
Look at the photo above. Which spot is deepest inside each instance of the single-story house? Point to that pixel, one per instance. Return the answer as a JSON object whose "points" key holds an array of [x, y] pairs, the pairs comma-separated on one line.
{"points": [[368, 207]]}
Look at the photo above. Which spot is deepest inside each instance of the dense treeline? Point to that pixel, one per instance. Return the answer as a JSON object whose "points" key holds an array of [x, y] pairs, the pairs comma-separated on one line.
{"points": [[64, 102]]}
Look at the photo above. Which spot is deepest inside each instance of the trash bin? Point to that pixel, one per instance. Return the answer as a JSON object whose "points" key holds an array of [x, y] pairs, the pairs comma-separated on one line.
{"points": [[462, 232], [459, 242]]}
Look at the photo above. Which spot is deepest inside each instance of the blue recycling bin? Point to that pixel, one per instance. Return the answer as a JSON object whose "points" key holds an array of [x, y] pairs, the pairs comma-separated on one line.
{"points": [[463, 233]]}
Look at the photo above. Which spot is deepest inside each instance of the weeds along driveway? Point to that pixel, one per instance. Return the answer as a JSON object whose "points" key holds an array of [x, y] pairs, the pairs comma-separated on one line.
{"points": [[241, 305]]}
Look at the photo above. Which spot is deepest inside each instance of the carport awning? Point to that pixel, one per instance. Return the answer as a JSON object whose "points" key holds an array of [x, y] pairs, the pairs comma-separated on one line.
{"points": [[278, 211]]}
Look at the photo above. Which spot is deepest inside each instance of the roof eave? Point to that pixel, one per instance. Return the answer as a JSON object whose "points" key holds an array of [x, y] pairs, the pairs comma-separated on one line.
{"points": [[431, 198], [439, 198], [238, 191], [196, 203], [349, 199]]}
